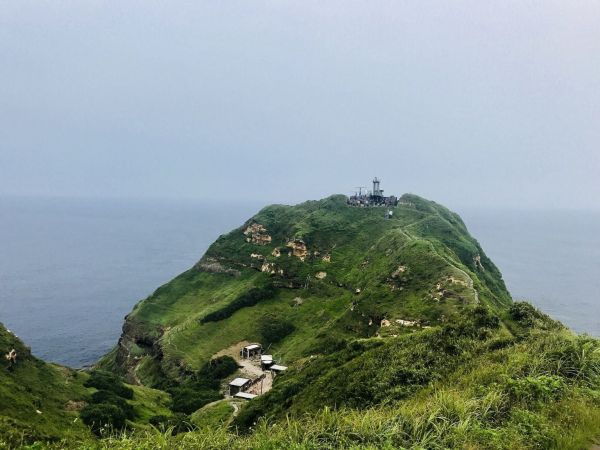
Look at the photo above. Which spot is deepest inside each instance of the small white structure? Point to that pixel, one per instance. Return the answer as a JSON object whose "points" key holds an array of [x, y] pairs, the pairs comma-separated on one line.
{"points": [[278, 368], [245, 395], [251, 350], [266, 361], [238, 385]]}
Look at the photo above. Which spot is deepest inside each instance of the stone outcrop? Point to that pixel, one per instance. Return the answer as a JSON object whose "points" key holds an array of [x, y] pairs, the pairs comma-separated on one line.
{"points": [[270, 268], [257, 234], [399, 271], [298, 248], [11, 356], [212, 265]]}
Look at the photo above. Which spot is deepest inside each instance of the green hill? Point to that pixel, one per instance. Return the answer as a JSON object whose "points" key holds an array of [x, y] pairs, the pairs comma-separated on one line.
{"points": [[398, 332], [329, 271]]}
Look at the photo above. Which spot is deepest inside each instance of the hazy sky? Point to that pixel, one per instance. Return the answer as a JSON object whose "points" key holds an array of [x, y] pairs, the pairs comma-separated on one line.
{"points": [[465, 102]]}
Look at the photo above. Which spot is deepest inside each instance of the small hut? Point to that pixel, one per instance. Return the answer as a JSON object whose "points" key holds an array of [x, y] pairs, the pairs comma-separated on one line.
{"points": [[277, 368], [245, 395], [251, 350], [238, 385], [266, 361]]}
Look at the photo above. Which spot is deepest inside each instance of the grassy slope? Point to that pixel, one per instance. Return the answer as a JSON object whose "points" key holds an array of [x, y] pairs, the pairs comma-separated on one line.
{"points": [[32, 385], [57, 392], [535, 387], [164, 333]]}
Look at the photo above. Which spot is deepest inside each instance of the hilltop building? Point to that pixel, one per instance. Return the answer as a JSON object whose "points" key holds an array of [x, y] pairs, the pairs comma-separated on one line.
{"points": [[372, 198]]}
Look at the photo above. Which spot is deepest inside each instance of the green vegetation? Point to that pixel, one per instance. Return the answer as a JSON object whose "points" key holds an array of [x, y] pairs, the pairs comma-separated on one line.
{"points": [[107, 409], [38, 401], [398, 333], [250, 298], [273, 329], [201, 387], [106, 381]]}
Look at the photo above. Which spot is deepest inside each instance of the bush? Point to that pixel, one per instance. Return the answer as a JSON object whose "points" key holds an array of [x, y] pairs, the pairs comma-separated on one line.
{"points": [[217, 369], [106, 381], [484, 318], [273, 329], [250, 298], [532, 390], [112, 399], [103, 417], [187, 399]]}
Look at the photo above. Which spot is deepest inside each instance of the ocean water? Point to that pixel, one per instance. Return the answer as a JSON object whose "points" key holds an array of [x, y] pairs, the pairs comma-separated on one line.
{"points": [[550, 258], [70, 270]]}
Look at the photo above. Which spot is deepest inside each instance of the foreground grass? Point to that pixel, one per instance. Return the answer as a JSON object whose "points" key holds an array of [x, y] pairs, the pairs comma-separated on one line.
{"points": [[542, 392]]}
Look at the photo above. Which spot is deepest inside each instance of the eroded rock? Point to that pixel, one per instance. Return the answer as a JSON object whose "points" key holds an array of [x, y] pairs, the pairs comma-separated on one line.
{"points": [[298, 248], [399, 271], [257, 234]]}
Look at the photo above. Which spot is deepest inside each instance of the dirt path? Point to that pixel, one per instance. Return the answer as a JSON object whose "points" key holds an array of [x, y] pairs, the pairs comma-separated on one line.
{"points": [[263, 386], [249, 368]]}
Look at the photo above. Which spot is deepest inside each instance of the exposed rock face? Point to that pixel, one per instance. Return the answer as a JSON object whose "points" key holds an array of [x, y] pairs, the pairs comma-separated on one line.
{"points": [[320, 275], [271, 268], [146, 339], [256, 256], [11, 356], [406, 323], [276, 253], [257, 234], [212, 265], [399, 271], [299, 249], [477, 261], [327, 258], [73, 405]]}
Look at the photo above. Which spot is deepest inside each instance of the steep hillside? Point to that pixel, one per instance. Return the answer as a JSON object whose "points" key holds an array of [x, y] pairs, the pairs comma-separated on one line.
{"points": [[325, 271], [37, 400]]}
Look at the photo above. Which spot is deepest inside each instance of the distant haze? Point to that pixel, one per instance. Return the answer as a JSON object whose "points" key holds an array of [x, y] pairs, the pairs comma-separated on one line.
{"points": [[466, 102]]}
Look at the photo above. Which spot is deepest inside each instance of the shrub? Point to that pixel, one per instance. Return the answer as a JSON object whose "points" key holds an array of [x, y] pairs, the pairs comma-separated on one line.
{"points": [[273, 329], [103, 417], [484, 318], [187, 399], [107, 381], [218, 368], [112, 399], [249, 298], [532, 390]]}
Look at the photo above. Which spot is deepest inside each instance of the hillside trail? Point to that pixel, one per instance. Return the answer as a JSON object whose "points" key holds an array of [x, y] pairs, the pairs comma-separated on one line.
{"points": [[448, 261]]}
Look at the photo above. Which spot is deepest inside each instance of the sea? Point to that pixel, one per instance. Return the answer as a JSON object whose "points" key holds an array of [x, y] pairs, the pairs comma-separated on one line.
{"points": [[71, 269]]}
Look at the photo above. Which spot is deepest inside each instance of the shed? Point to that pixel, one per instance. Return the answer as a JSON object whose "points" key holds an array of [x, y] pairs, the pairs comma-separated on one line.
{"points": [[251, 350], [266, 361], [238, 385], [245, 395], [278, 368]]}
